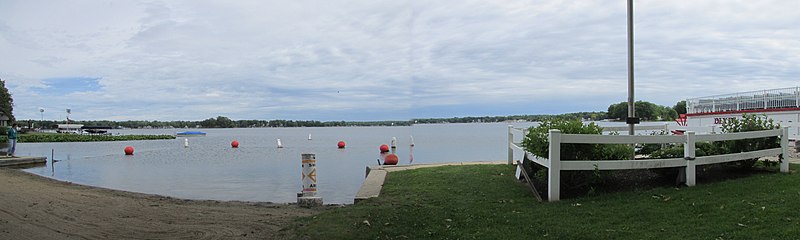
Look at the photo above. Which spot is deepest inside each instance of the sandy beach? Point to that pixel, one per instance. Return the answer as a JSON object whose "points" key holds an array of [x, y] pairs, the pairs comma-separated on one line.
{"points": [[34, 207]]}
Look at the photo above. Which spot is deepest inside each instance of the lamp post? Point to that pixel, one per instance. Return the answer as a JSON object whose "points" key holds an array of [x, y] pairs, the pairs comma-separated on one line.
{"points": [[632, 120]]}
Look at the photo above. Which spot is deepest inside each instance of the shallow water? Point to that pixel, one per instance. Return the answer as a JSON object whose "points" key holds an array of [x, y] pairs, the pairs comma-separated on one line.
{"points": [[259, 171]]}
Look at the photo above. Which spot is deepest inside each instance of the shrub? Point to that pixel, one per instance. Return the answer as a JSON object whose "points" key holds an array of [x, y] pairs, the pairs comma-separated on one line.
{"points": [[537, 143], [31, 138], [749, 122]]}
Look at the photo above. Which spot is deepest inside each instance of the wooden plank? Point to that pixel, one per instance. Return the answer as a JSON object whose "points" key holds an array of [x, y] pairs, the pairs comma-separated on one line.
{"points": [[538, 160], [737, 156], [520, 169], [622, 164], [517, 146], [518, 129], [620, 139], [737, 136]]}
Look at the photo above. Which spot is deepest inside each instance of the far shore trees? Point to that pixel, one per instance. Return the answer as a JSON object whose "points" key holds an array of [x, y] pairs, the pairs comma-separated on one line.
{"points": [[647, 111], [6, 102]]}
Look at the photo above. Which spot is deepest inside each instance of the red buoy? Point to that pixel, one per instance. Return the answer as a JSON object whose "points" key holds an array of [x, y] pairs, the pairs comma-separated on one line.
{"points": [[384, 148], [341, 144], [128, 150], [390, 159], [235, 144]]}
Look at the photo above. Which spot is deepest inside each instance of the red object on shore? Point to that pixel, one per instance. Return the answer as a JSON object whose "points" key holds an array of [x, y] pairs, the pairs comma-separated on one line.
{"points": [[235, 144], [384, 148], [390, 159], [128, 150], [340, 144]]}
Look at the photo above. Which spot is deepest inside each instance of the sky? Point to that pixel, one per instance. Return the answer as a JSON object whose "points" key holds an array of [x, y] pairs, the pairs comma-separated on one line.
{"points": [[382, 59]]}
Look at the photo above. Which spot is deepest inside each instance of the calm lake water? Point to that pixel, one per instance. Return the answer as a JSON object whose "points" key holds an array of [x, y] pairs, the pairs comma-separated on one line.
{"points": [[259, 171]]}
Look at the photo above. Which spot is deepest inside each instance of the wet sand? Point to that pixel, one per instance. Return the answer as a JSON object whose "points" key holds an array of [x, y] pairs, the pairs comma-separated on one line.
{"points": [[34, 207]]}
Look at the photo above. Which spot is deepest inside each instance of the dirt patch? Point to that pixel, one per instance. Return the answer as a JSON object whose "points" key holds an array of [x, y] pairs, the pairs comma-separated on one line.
{"points": [[34, 207]]}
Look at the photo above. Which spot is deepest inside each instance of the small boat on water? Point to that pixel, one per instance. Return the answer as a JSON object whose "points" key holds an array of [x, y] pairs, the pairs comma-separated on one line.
{"points": [[190, 134]]}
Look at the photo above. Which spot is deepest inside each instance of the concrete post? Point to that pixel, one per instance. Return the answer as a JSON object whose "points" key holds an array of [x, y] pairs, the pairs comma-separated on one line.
{"points": [[510, 147], [308, 198], [554, 171], [689, 155], [785, 150]]}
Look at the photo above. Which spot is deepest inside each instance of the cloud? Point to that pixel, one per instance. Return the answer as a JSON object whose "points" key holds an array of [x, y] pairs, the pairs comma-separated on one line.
{"points": [[371, 60]]}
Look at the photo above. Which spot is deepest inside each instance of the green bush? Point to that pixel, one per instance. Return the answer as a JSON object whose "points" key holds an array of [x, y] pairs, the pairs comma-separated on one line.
{"points": [[749, 122], [537, 143], [32, 138]]}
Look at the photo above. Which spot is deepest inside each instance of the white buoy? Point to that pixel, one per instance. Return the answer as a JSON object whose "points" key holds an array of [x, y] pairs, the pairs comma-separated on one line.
{"points": [[186, 142], [280, 145], [394, 142], [412, 141], [309, 136]]}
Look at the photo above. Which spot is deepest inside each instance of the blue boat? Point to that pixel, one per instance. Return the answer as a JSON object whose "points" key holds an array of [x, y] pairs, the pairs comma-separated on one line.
{"points": [[190, 134]]}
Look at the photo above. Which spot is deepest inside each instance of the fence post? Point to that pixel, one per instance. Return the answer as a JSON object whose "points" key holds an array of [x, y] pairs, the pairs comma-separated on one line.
{"points": [[785, 150], [689, 155], [510, 147], [554, 171]]}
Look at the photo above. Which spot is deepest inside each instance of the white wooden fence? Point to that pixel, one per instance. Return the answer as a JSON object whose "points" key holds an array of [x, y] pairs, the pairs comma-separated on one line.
{"points": [[555, 165]]}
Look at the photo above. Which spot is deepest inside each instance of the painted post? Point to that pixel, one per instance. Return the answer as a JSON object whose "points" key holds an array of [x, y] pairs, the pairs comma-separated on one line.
{"points": [[785, 150], [308, 197], [689, 155], [554, 171], [510, 148]]}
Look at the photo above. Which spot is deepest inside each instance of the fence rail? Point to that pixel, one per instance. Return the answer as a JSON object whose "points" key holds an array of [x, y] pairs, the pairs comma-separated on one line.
{"points": [[555, 165]]}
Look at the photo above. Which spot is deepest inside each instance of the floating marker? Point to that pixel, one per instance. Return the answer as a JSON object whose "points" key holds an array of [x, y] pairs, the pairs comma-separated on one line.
{"points": [[412, 141], [280, 145], [394, 142], [235, 144], [391, 159], [384, 148], [186, 142], [128, 150], [341, 144], [309, 136]]}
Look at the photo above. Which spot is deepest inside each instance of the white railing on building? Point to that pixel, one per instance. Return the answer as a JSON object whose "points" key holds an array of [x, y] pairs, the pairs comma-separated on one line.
{"points": [[555, 165], [761, 99]]}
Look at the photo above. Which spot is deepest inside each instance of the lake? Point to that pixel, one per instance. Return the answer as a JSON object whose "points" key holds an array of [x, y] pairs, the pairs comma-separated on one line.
{"points": [[258, 171]]}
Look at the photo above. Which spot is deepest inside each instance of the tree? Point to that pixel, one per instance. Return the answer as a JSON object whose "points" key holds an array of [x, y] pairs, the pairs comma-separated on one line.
{"points": [[680, 107], [6, 102], [647, 111]]}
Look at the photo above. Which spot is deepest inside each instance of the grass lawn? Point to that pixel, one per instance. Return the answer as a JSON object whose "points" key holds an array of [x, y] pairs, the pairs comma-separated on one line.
{"points": [[485, 202]]}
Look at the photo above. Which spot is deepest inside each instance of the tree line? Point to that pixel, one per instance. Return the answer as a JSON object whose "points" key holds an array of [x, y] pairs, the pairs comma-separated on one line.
{"points": [[647, 111]]}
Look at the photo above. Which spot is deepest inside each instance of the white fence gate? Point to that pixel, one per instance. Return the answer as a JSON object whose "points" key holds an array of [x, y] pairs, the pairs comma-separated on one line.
{"points": [[555, 165]]}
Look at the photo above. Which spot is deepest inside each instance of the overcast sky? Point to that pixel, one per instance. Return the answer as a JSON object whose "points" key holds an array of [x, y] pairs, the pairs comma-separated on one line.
{"points": [[382, 60]]}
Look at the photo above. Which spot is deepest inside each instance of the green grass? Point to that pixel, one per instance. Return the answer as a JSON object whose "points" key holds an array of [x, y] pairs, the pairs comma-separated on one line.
{"points": [[58, 137], [485, 202]]}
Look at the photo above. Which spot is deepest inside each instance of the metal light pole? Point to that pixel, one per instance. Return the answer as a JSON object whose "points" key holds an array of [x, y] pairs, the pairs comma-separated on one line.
{"points": [[632, 120]]}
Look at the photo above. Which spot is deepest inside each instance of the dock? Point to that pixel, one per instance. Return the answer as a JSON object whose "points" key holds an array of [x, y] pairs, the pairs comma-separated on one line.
{"points": [[20, 160]]}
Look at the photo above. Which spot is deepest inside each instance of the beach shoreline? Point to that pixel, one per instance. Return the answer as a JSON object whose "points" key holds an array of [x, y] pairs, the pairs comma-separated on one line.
{"points": [[36, 207]]}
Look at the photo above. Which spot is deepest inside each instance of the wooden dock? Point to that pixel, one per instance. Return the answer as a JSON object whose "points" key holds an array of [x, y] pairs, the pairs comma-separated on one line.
{"points": [[20, 160]]}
